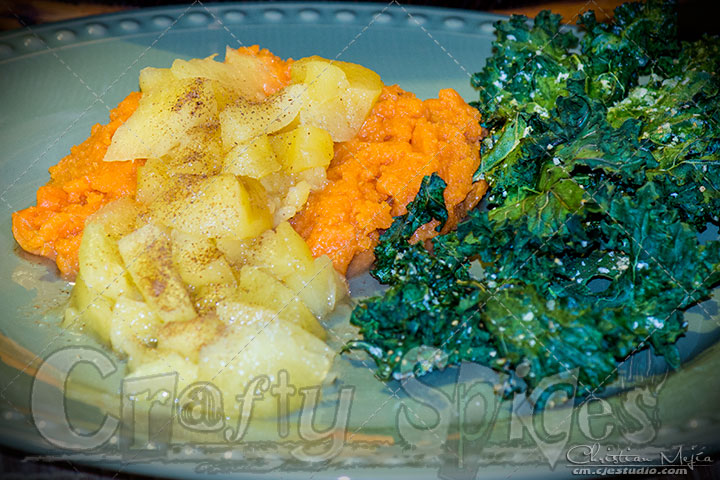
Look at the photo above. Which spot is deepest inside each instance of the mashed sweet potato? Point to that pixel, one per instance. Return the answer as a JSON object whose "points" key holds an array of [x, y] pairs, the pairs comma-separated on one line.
{"points": [[371, 179], [81, 182], [79, 185], [375, 175]]}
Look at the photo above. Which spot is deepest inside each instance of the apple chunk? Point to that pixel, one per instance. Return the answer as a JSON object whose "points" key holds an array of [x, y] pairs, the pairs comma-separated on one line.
{"points": [[303, 148], [147, 253], [339, 95], [220, 206], [169, 108], [244, 121]]}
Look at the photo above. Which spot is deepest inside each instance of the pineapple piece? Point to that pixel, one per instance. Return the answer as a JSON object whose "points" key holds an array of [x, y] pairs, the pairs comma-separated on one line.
{"points": [[244, 121], [260, 288], [339, 95], [198, 261], [134, 330], [147, 254], [256, 346], [220, 206], [303, 148], [168, 109], [253, 158]]}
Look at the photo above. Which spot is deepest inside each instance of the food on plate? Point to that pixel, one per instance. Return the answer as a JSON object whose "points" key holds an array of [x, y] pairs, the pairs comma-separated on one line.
{"points": [[199, 271], [82, 183], [79, 185], [187, 261], [604, 168], [380, 169]]}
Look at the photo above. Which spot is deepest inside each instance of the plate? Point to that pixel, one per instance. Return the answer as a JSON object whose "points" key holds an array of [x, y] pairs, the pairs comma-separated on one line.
{"points": [[62, 396]]}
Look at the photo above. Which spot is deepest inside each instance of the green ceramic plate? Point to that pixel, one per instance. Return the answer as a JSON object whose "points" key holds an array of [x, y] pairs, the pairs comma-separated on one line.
{"points": [[58, 80]]}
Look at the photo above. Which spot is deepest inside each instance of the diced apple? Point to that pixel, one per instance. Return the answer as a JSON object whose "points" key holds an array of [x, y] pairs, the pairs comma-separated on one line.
{"points": [[292, 202], [219, 206], [147, 254], [207, 297], [168, 109], [152, 180], [315, 177], [303, 148], [260, 288], [320, 288], [260, 346], [186, 370], [90, 310], [339, 95], [134, 330], [284, 253], [256, 75], [238, 252], [198, 261], [187, 338], [152, 78], [206, 67], [322, 78], [254, 158], [102, 268], [365, 88], [198, 153], [244, 121]]}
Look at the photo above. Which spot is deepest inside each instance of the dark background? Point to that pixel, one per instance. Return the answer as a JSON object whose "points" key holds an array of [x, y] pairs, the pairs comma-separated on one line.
{"points": [[696, 16]]}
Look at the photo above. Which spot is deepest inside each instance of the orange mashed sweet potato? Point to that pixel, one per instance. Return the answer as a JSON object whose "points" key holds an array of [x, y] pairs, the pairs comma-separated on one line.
{"points": [[82, 183], [376, 174], [79, 185], [371, 178]]}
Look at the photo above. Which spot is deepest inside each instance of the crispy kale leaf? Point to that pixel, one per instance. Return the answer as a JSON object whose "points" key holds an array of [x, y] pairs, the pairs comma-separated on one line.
{"points": [[529, 67], [604, 167]]}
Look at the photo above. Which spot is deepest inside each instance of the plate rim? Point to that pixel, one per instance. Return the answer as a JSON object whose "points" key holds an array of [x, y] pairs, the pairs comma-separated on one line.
{"points": [[31, 40]]}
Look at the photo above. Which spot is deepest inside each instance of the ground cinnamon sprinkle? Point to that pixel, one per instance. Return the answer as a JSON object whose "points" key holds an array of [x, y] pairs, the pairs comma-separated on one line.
{"points": [[375, 175]]}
